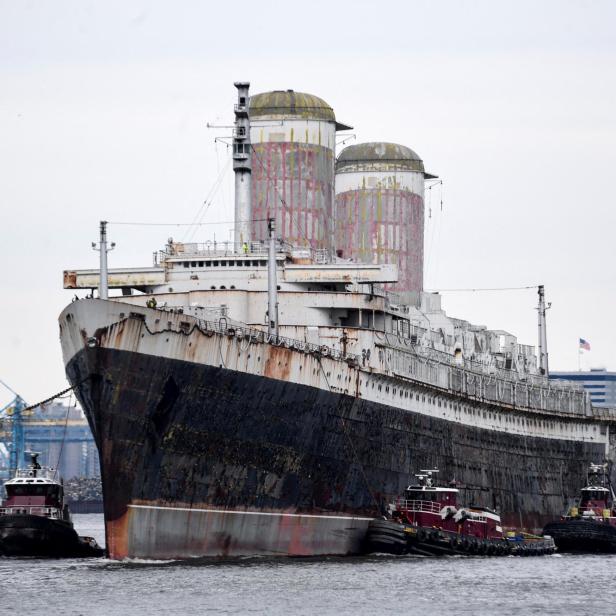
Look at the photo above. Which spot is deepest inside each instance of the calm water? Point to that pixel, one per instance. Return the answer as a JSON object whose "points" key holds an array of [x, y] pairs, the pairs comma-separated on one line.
{"points": [[372, 585]]}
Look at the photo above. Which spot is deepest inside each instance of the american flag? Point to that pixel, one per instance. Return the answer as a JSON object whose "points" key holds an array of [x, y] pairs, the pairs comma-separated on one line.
{"points": [[584, 344]]}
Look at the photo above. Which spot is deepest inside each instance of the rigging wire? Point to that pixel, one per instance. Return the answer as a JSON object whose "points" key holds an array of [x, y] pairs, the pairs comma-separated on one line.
{"points": [[478, 290], [431, 231], [201, 213], [68, 410], [181, 224], [435, 248]]}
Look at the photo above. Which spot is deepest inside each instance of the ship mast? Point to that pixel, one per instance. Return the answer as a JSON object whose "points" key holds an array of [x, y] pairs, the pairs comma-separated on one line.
{"points": [[272, 283], [103, 287], [543, 339], [242, 166]]}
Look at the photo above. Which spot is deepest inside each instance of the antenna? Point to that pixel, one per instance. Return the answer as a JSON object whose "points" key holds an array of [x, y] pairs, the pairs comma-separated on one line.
{"points": [[103, 288], [272, 284], [543, 340], [242, 165]]}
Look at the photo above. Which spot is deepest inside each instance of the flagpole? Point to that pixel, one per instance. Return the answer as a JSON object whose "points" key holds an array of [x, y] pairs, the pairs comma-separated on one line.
{"points": [[579, 359]]}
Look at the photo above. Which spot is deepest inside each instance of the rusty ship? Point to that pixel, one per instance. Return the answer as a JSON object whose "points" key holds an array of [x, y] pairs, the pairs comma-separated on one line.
{"points": [[272, 394]]}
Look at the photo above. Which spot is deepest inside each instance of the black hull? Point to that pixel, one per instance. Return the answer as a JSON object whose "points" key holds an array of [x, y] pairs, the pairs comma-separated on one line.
{"points": [[32, 535], [177, 436], [583, 536]]}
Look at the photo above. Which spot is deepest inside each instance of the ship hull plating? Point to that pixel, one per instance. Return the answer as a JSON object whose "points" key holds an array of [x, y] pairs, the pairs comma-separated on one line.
{"points": [[201, 460]]}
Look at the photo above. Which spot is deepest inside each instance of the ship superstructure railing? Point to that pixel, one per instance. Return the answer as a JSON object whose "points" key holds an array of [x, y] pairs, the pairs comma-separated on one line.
{"points": [[501, 387], [214, 249], [410, 363], [418, 506], [257, 335], [259, 248], [230, 328], [478, 367], [48, 512]]}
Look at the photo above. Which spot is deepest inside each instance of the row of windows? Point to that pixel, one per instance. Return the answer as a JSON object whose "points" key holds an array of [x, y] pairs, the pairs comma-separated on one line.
{"points": [[236, 263]]}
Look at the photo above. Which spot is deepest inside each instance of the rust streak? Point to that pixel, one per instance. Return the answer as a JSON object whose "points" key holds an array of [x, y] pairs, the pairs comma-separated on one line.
{"points": [[277, 364]]}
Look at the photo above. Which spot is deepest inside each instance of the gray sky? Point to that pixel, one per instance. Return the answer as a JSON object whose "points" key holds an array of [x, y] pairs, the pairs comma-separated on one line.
{"points": [[103, 111]]}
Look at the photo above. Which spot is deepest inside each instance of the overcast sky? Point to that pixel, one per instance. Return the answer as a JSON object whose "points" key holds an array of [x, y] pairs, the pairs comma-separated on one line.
{"points": [[103, 112]]}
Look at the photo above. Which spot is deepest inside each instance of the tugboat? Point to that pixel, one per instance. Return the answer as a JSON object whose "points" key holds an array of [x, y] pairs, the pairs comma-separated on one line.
{"points": [[589, 526], [427, 520], [34, 521]]}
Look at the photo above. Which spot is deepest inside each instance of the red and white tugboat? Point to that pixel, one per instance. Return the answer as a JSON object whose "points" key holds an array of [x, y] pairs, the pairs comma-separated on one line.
{"points": [[589, 526], [34, 521], [427, 520]]}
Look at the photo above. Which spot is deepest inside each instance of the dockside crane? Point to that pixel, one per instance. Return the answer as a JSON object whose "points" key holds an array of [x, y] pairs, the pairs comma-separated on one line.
{"points": [[12, 413]]}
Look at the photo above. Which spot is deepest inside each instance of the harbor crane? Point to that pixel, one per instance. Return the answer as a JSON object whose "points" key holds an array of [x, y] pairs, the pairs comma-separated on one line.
{"points": [[12, 413]]}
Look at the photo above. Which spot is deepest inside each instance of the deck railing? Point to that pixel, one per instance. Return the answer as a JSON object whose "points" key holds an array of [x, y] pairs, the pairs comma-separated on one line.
{"points": [[47, 512], [225, 327], [418, 506], [29, 473]]}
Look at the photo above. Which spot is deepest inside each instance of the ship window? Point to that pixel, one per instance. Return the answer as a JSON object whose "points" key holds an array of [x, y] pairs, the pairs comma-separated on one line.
{"points": [[193, 264], [263, 264], [208, 264], [186, 264], [223, 263], [420, 495], [200, 263], [255, 263], [215, 263], [593, 495]]}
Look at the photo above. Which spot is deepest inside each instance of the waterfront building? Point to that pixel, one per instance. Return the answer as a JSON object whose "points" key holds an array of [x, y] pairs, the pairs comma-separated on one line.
{"points": [[600, 384]]}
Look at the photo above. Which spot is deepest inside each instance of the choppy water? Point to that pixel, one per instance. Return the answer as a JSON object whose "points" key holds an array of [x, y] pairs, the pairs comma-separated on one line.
{"points": [[561, 584]]}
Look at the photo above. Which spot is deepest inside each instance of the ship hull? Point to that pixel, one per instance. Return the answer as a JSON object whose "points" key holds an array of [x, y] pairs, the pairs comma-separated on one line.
{"points": [[168, 532], [33, 535], [583, 536], [203, 460]]}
